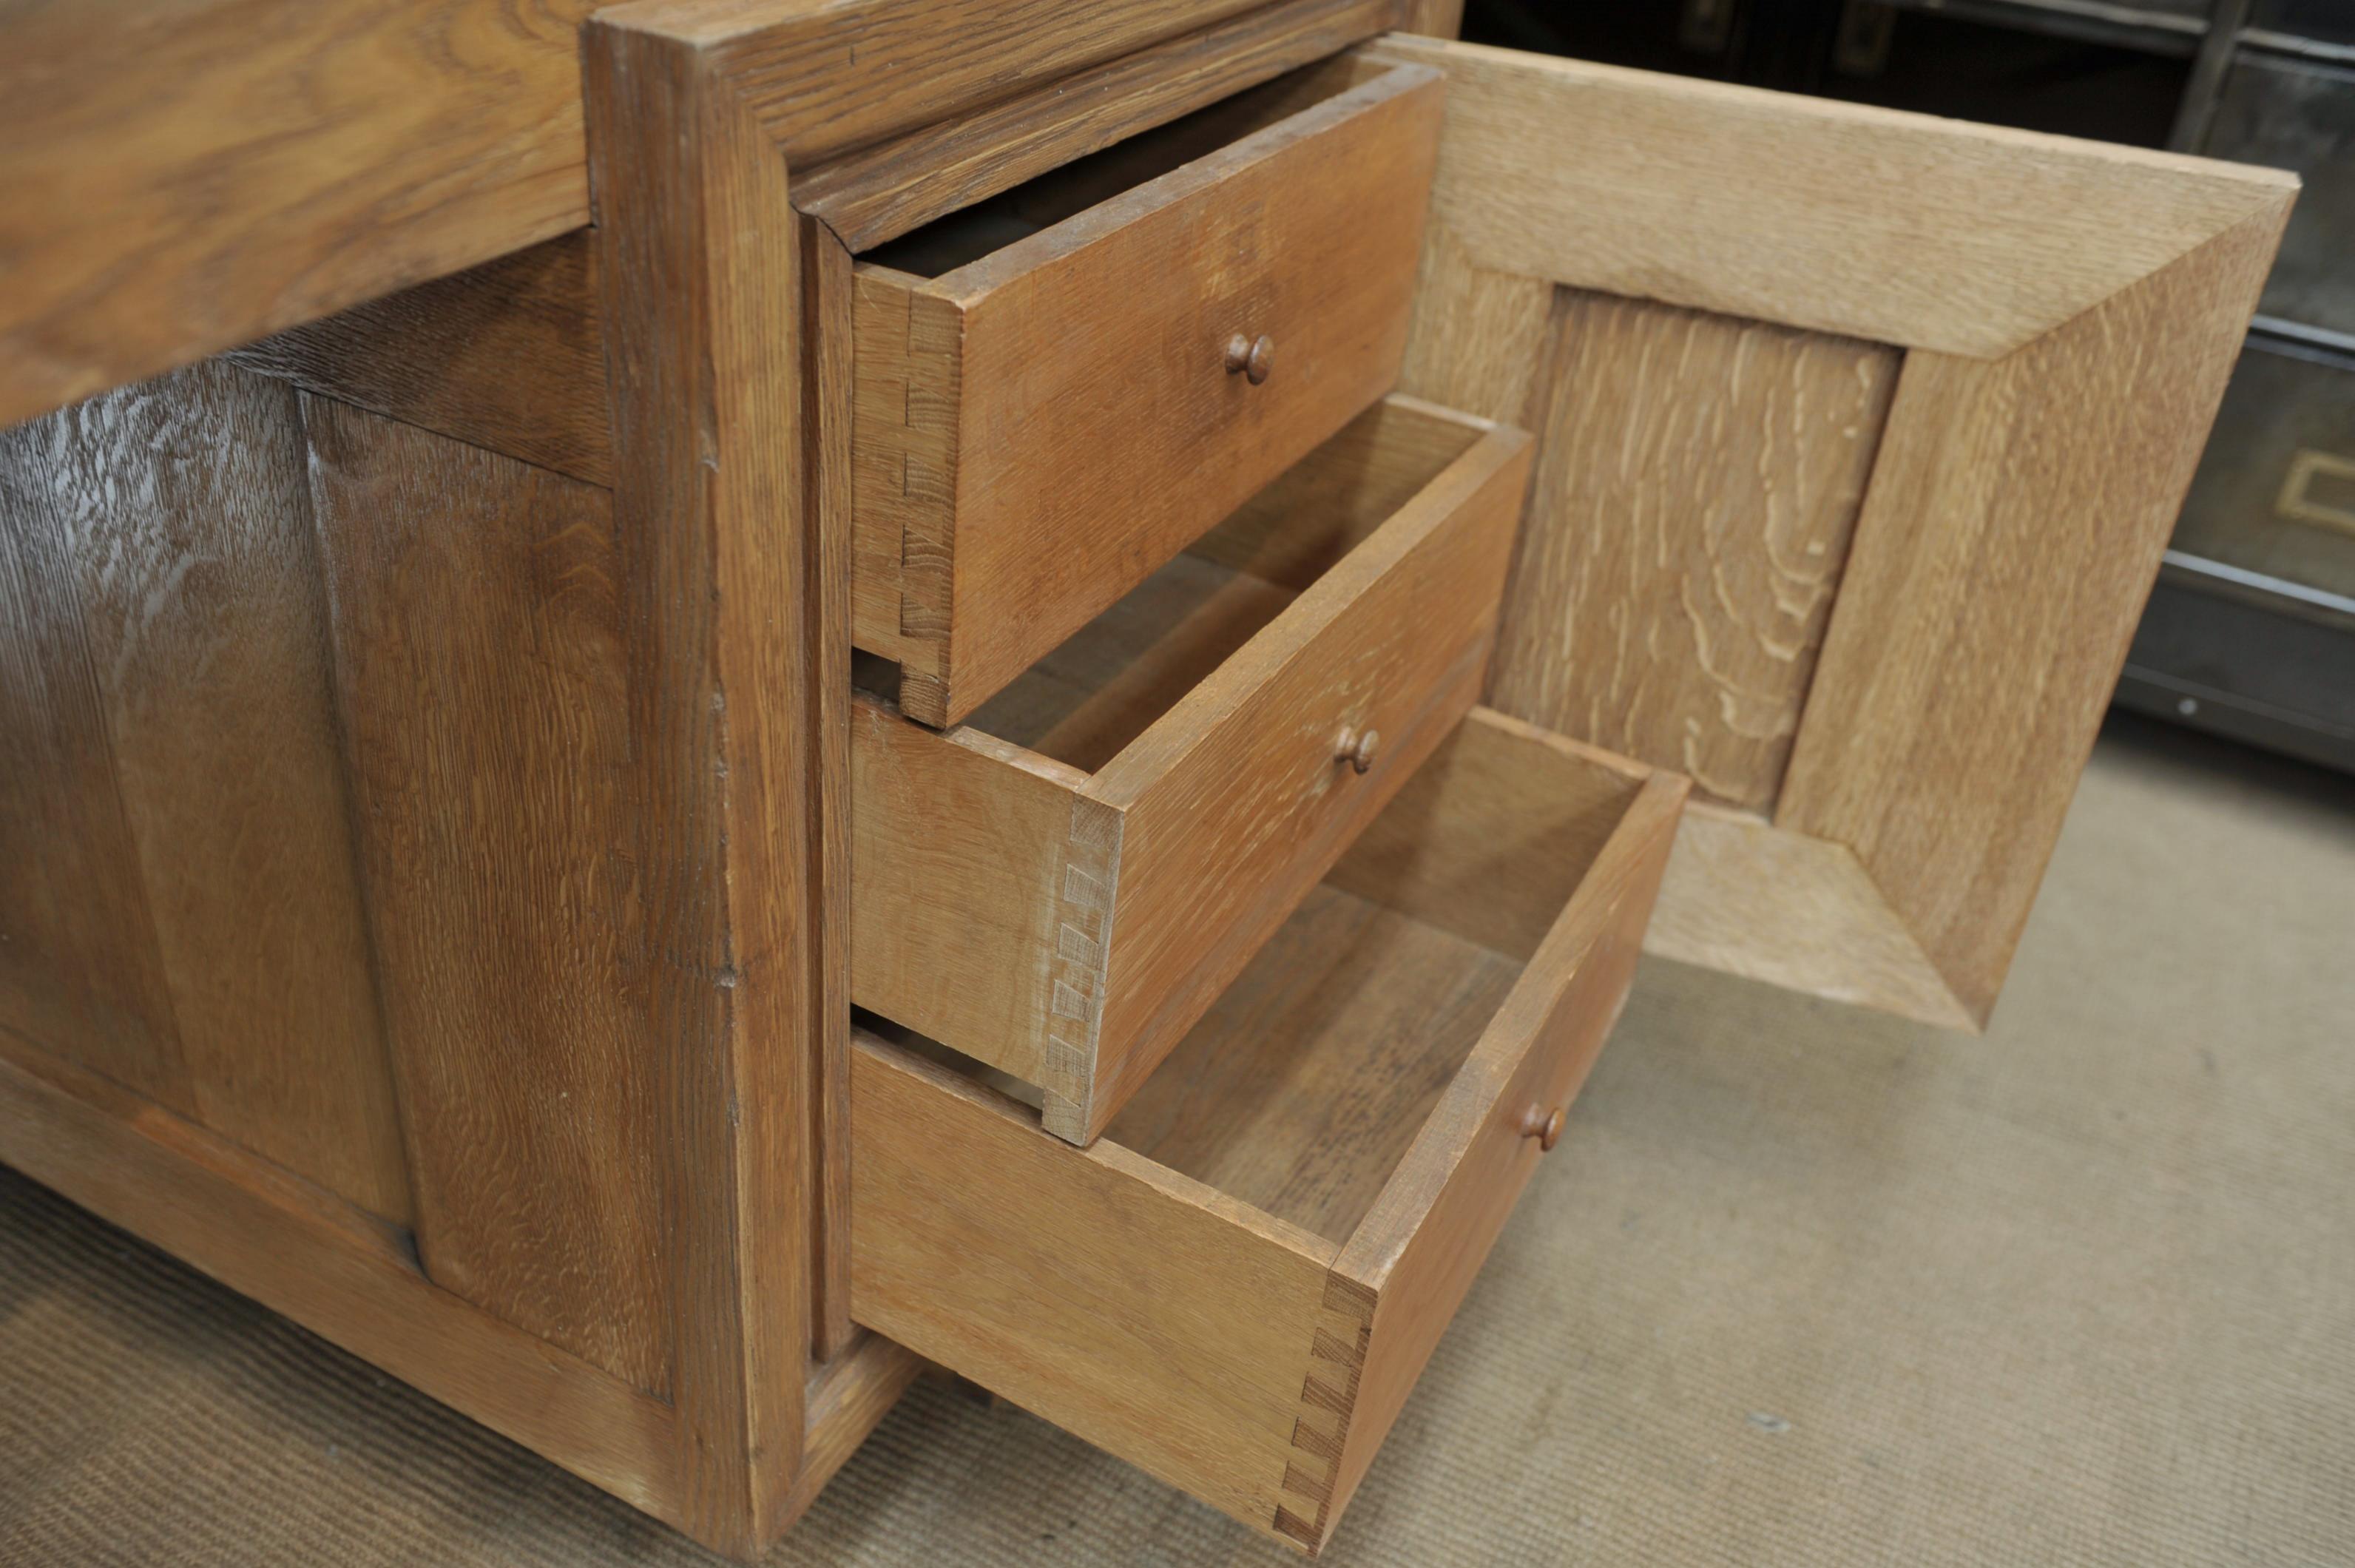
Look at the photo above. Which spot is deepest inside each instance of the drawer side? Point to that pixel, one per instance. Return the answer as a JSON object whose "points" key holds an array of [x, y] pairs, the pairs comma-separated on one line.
{"points": [[981, 890], [1144, 1312]]}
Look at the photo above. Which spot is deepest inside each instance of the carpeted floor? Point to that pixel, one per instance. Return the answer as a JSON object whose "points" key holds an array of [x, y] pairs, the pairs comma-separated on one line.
{"points": [[1801, 1286]]}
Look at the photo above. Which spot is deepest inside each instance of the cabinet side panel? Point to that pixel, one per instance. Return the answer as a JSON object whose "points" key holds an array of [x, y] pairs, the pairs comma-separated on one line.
{"points": [[199, 585], [1699, 482], [509, 356], [79, 972], [477, 617]]}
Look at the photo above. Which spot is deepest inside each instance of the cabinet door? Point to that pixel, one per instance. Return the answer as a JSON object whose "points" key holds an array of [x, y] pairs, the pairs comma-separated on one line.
{"points": [[1860, 437]]}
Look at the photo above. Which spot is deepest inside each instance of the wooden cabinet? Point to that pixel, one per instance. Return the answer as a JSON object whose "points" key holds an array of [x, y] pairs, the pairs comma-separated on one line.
{"points": [[444, 832]]}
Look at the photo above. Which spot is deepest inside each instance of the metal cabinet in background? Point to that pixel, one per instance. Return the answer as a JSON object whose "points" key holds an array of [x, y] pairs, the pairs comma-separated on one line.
{"points": [[2276, 493], [2251, 632], [2292, 113]]}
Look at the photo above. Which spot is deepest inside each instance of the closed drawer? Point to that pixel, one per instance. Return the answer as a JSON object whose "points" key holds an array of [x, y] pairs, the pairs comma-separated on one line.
{"points": [[1045, 406], [1060, 886], [1237, 1286]]}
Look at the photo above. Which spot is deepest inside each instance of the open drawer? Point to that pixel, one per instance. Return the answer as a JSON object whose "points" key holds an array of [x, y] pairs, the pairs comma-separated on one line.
{"points": [[1236, 1288], [1056, 390], [1060, 886]]}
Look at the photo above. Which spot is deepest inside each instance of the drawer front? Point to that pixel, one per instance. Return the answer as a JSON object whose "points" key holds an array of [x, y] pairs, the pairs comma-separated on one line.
{"points": [[1069, 927], [1240, 799], [1257, 1357], [1036, 432]]}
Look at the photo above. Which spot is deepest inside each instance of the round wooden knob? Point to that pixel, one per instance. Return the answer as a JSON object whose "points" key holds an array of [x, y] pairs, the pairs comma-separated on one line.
{"points": [[1358, 747], [1255, 356], [1543, 1125]]}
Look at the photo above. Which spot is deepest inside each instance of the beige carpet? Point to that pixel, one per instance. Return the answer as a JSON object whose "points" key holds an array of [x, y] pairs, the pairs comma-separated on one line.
{"points": [[1800, 1286]]}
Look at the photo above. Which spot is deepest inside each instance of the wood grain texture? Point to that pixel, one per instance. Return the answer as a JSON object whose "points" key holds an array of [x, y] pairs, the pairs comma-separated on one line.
{"points": [[334, 1269], [1745, 898], [1369, 470], [1109, 681], [1478, 337], [1239, 1301], [1687, 527], [731, 644], [495, 833], [1975, 645], [850, 1392], [907, 386], [807, 72], [81, 973], [179, 187], [1068, 925], [886, 188], [190, 558], [826, 475], [1307, 1080], [1234, 802], [1048, 424], [1958, 243], [185, 177], [1894, 227], [1144, 1312], [508, 356], [1489, 839], [962, 811]]}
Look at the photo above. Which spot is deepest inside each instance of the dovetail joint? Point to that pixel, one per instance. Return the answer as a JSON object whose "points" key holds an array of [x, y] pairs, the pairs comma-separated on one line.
{"points": [[1329, 1395], [1076, 962]]}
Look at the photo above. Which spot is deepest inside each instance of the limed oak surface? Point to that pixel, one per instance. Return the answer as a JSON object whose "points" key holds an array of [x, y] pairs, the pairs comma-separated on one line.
{"points": [[1683, 550], [1862, 433]]}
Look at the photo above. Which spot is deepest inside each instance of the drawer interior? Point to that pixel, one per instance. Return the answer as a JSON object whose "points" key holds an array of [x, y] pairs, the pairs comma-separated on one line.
{"points": [[965, 236], [1063, 883], [1087, 700], [1300, 1091], [1302, 1088], [1238, 1284]]}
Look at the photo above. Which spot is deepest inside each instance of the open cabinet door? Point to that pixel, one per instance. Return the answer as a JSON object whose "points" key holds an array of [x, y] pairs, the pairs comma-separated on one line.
{"points": [[1862, 433]]}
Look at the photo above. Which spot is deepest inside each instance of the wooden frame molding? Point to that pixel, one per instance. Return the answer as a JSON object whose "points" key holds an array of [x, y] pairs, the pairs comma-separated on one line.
{"points": [[733, 638], [2068, 312]]}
